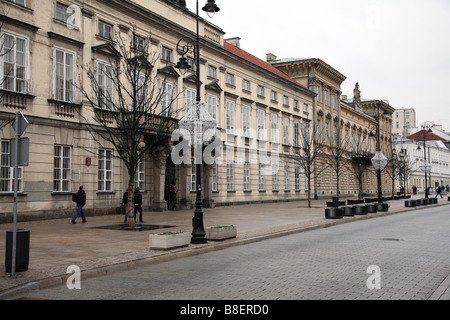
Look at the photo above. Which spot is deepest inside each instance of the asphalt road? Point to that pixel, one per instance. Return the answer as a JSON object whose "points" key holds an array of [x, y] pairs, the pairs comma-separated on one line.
{"points": [[404, 256]]}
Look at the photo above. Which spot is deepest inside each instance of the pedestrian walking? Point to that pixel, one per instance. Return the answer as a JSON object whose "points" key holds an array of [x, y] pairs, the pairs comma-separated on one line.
{"points": [[173, 190], [439, 192], [137, 204], [80, 199]]}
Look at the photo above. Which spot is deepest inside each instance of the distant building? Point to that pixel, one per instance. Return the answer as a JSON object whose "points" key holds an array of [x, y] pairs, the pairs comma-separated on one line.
{"points": [[402, 121]]}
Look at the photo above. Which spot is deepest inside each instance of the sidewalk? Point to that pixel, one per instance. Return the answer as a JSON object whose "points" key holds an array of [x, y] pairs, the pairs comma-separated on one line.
{"points": [[57, 244]]}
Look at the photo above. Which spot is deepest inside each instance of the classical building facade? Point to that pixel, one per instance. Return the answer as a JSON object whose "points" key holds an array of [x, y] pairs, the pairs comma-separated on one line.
{"points": [[403, 120], [48, 47], [344, 126]]}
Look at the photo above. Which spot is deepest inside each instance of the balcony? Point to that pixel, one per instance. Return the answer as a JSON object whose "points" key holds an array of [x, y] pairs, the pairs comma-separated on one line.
{"points": [[15, 100]]}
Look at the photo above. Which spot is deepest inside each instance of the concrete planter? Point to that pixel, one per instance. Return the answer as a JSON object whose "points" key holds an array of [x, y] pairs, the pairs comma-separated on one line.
{"points": [[348, 211], [361, 210], [169, 240], [410, 203], [372, 208], [219, 233], [382, 207], [333, 213]]}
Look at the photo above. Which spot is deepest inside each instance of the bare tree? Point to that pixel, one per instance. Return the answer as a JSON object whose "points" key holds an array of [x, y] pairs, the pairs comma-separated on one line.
{"points": [[336, 152], [306, 153], [133, 108], [361, 155]]}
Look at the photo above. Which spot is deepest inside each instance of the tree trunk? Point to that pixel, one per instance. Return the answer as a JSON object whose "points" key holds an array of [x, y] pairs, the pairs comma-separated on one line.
{"points": [[131, 222]]}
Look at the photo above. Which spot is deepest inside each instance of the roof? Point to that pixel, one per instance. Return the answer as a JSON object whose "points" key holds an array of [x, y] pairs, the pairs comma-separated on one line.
{"points": [[255, 60], [418, 136]]}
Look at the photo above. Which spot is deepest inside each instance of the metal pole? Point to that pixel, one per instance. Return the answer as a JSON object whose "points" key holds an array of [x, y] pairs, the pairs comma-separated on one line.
{"points": [[16, 188], [425, 161], [380, 192], [198, 233]]}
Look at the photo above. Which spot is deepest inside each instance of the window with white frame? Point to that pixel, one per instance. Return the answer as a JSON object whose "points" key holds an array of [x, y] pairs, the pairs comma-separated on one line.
{"points": [[166, 98], [230, 176], [260, 91], [105, 169], [296, 105], [297, 179], [261, 119], [274, 177], [285, 100], [139, 176], [296, 133], [67, 14], [285, 130], [193, 177], [247, 176], [64, 74], [62, 166], [192, 63], [138, 43], [273, 95], [190, 95], [230, 79], [212, 105], [7, 171], [326, 97], [141, 93], [333, 101], [105, 29], [305, 108], [212, 72], [261, 168], [286, 178], [245, 85], [105, 82], [19, 2], [246, 111], [229, 117], [215, 177], [14, 57], [166, 54], [274, 128]]}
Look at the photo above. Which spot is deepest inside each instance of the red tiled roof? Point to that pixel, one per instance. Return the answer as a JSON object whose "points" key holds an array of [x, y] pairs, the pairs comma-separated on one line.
{"points": [[249, 57], [429, 136]]}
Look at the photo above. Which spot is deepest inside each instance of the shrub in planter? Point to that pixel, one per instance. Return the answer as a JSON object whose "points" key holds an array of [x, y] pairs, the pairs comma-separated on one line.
{"points": [[372, 207], [383, 206], [348, 211], [360, 210], [221, 232], [333, 213]]}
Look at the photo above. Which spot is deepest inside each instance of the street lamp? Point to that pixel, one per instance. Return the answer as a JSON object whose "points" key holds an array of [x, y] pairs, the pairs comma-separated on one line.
{"points": [[425, 166], [379, 161], [197, 120]]}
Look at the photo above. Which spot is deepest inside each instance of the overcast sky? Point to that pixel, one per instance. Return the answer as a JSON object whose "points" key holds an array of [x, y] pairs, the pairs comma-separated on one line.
{"points": [[398, 50]]}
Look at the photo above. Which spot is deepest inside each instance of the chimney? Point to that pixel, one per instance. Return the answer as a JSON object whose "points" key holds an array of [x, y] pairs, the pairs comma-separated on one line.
{"points": [[270, 57], [344, 97], [236, 41]]}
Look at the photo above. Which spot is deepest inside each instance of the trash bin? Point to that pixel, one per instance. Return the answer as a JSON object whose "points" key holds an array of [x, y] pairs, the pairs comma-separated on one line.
{"points": [[22, 250]]}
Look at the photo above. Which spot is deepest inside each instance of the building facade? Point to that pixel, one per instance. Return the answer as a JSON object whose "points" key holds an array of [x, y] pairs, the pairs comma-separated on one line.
{"points": [[49, 45], [403, 120]]}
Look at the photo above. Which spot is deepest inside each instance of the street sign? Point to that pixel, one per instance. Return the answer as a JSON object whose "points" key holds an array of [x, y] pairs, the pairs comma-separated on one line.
{"points": [[24, 148], [21, 125]]}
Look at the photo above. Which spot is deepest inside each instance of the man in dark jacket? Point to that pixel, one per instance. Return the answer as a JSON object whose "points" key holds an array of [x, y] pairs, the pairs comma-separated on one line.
{"points": [[81, 201], [137, 204]]}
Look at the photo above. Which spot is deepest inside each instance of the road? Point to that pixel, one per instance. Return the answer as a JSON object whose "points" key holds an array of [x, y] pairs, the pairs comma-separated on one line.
{"points": [[403, 256]]}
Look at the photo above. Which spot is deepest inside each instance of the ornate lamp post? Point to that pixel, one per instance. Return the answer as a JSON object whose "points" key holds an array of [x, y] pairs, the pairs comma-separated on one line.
{"points": [[379, 161], [425, 166], [197, 120]]}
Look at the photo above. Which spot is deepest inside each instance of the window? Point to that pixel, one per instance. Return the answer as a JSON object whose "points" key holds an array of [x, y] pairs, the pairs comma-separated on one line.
{"points": [[333, 101], [230, 110], [62, 168], [285, 100], [166, 98], [247, 176], [326, 97], [212, 72], [261, 177], [139, 176], [104, 29], [230, 176], [286, 177], [274, 177], [193, 177], [190, 97], [297, 179], [191, 62], [260, 91], [273, 96], [212, 105], [14, 57], [261, 119], [67, 14], [105, 82], [305, 108], [64, 75], [274, 128], [245, 85], [138, 43], [296, 105], [285, 130], [141, 93], [19, 2], [166, 54], [230, 79], [105, 169], [246, 120], [6, 171], [214, 178], [296, 134]]}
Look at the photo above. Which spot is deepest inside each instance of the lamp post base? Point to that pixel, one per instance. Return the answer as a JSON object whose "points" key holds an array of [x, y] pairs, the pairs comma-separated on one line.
{"points": [[198, 233]]}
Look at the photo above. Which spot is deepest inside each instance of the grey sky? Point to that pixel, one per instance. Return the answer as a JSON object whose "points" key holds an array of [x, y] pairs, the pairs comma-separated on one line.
{"points": [[398, 50]]}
